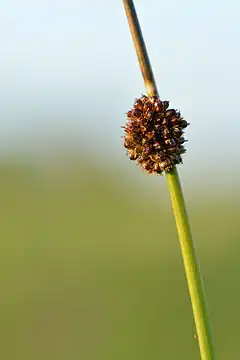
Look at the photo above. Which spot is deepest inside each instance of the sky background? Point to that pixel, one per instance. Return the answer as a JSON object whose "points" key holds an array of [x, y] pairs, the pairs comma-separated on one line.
{"points": [[70, 73]]}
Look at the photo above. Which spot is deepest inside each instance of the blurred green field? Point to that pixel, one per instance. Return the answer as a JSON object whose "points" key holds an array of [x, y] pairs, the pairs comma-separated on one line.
{"points": [[91, 267]]}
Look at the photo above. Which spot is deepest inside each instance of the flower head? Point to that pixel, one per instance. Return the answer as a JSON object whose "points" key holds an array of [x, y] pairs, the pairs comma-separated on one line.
{"points": [[154, 135]]}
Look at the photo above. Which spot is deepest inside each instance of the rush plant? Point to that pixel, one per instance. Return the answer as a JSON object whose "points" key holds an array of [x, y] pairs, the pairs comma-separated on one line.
{"points": [[154, 139]]}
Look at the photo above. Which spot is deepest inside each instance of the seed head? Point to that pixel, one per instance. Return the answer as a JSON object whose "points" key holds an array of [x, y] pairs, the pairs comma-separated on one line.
{"points": [[154, 135]]}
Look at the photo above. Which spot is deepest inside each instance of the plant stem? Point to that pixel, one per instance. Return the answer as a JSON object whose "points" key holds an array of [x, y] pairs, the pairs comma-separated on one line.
{"points": [[194, 280], [195, 283]]}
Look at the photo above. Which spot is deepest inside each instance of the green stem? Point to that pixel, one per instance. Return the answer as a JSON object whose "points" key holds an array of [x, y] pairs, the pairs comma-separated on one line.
{"points": [[192, 270]]}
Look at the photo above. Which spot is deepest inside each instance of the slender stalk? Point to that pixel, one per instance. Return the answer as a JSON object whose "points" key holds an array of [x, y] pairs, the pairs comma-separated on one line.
{"points": [[192, 270]]}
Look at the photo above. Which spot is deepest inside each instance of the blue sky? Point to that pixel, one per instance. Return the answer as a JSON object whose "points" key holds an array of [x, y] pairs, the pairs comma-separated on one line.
{"points": [[69, 71]]}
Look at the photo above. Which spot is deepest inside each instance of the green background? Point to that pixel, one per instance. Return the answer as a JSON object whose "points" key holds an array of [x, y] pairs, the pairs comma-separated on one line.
{"points": [[91, 266]]}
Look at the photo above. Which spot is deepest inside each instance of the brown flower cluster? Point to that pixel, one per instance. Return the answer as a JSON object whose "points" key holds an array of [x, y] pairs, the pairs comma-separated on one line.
{"points": [[154, 135]]}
